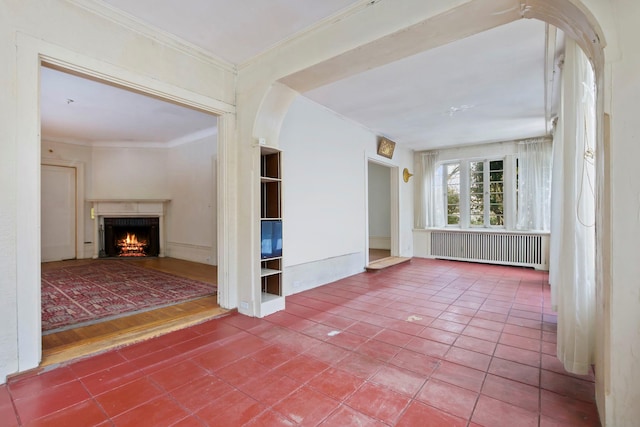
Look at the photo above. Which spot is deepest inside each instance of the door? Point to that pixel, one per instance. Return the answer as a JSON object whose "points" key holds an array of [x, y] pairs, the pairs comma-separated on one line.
{"points": [[379, 211], [58, 213]]}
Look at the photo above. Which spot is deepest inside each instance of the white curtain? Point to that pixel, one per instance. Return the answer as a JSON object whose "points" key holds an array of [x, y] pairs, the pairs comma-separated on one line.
{"points": [[572, 257], [534, 184], [431, 202]]}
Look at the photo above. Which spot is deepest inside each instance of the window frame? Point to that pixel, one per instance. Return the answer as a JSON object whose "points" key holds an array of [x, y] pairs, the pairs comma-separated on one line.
{"points": [[465, 174]]}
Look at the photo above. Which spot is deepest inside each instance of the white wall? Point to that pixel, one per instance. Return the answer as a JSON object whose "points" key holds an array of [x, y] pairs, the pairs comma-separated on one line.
{"points": [[191, 218], [379, 193], [129, 173], [324, 195], [623, 392]]}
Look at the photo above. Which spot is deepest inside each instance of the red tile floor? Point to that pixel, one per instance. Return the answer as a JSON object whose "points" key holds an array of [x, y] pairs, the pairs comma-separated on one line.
{"points": [[428, 343]]}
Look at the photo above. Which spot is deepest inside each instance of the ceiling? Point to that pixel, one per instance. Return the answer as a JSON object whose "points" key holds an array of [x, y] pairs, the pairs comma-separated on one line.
{"points": [[488, 87]]}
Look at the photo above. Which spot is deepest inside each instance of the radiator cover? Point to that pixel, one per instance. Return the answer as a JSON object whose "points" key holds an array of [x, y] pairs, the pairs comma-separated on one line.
{"points": [[506, 248]]}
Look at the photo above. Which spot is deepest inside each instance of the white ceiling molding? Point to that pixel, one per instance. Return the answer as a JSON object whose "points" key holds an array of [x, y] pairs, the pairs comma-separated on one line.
{"points": [[133, 23]]}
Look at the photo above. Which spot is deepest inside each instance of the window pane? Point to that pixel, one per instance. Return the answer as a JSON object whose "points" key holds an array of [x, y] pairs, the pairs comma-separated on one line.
{"points": [[476, 193], [496, 193], [453, 193]]}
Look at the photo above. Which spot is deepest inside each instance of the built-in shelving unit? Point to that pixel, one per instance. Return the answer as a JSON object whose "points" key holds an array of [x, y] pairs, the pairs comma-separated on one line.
{"points": [[272, 298]]}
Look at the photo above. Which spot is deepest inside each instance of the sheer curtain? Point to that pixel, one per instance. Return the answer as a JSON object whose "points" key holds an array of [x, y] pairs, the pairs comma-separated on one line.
{"points": [[534, 184], [572, 251], [431, 214]]}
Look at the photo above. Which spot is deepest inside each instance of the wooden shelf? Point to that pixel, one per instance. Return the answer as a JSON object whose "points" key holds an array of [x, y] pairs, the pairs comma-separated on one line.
{"points": [[272, 298], [268, 272]]}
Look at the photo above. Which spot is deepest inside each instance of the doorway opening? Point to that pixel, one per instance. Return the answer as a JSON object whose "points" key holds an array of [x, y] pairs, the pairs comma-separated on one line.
{"points": [[130, 232]]}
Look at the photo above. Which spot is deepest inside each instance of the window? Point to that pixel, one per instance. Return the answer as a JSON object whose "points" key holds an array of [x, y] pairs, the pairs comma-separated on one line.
{"points": [[452, 176], [475, 191], [486, 193]]}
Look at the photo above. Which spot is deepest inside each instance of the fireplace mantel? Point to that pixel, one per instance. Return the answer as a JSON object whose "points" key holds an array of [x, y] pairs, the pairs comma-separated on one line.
{"points": [[113, 208]]}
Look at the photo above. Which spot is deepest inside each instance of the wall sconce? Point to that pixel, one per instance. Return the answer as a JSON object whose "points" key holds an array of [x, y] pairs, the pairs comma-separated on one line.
{"points": [[406, 175]]}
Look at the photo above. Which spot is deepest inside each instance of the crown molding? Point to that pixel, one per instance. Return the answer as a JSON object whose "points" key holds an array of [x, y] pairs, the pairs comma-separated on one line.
{"points": [[319, 25], [130, 22]]}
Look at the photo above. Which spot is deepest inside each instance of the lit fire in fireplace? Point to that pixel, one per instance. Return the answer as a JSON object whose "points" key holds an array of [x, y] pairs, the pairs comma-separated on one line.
{"points": [[130, 246]]}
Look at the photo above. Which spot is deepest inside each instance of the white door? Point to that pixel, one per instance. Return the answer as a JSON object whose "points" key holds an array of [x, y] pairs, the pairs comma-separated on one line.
{"points": [[58, 213]]}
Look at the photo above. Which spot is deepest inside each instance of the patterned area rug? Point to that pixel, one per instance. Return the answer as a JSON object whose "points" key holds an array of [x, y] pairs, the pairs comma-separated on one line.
{"points": [[104, 289]]}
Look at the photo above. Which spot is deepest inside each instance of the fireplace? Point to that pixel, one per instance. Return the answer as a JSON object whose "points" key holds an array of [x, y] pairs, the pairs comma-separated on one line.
{"points": [[128, 228], [131, 237]]}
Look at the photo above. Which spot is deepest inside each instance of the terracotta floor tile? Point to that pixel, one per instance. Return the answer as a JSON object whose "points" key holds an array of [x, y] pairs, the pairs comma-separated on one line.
{"points": [[320, 331], [347, 340], [447, 325], [468, 358], [344, 416], [522, 331], [336, 383], [449, 398], [400, 380], [427, 347], [85, 413], [378, 402], [37, 384], [458, 318], [306, 406], [393, 337], [520, 342], [378, 349], [328, 353], [176, 375], [481, 333], [415, 362], [189, 421], [159, 412], [419, 414], [570, 412], [112, 377], [50, 401], [271, 388], [365, 329], [273, 356], [411, 328], [487, 315], [462, 376], [200, 392], [549, 348], [359, 365], [97, 363], [241, 371], [121, 399], [568, 386], [495, 413], [475, 344], [513, 392], [215, 358], [295, 341], [438, 335], [270, 419], [301, 368], [486, 324], [233, 409], [246, 345], [519, 355]]}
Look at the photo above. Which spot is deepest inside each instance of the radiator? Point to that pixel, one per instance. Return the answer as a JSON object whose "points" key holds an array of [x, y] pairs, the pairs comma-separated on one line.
{"points": [[521, 249]]}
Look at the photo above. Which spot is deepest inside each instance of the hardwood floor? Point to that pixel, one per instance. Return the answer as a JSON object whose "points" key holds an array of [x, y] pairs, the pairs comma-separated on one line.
{"points": [[78, 342]]}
